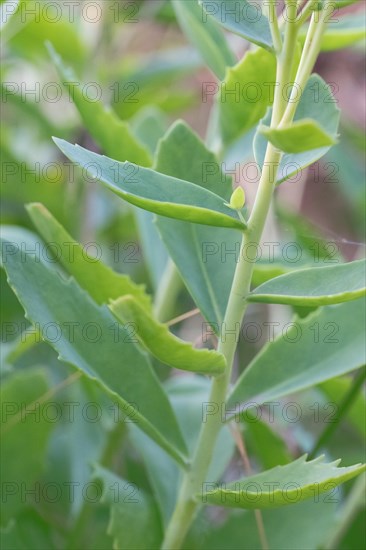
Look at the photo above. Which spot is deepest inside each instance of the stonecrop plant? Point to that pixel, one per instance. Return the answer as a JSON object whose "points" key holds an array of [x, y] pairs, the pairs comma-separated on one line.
{"points": [[133, 415]]}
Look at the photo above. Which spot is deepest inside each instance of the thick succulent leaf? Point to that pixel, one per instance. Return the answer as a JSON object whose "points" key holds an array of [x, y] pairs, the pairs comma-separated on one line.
{"points": [[282, 485], [265, 271], [241, 104], [99, 280], [161, 343], [197, 251], [134, 518], [326, 344], [152, 191], [319, 286], [208, 38], [195, 162], [112, 134], [242, 18], [118, 141], [22, 431], [303, 135], [317, 102], [87, 336], [347, 31]]}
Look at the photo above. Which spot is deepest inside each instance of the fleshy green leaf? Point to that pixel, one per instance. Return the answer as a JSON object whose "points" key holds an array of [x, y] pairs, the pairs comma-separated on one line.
{"points": [[265, 271], [303, 135], [326, 344], [112, 134], [22, 430], [99, 280], [163, 344], [242, 18], [241, 103], [343, 33], [134, 520], [282, 485], [118, 141], [198, 251], [320, 286], [207, 38], [317, 102], [152, 191], [199, 165], [88, 337]]}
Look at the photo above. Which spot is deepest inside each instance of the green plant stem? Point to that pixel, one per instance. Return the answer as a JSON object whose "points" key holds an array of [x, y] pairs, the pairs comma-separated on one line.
{"points": [[187, 502], [191, 486], [342, 411], [193, 479], [275, 29], [309, 56], [289, 4], [285, 66], [300, 2], [306, 12]]}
